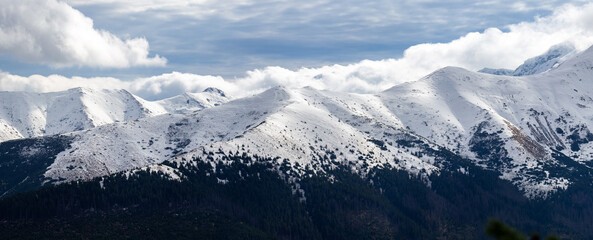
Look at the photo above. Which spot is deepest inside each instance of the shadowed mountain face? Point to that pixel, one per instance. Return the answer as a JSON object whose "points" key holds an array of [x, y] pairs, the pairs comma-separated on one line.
{"points": [[514, 147]]}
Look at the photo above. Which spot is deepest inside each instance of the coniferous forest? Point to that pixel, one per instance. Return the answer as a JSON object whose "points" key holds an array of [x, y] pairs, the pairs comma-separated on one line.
{"points": [[256, 203]]}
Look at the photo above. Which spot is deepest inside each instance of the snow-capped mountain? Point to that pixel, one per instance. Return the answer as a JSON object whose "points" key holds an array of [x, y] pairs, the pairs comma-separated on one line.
{"points": [[190, 102], [539, 64], [442, 154], [25, 114], [514, 125], [528, 129], [300, 125], [556, 55]]}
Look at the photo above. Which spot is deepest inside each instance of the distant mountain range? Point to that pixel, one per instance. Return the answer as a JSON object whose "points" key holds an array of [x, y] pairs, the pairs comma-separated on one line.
{"points": [[25, 114], [468, 138]]}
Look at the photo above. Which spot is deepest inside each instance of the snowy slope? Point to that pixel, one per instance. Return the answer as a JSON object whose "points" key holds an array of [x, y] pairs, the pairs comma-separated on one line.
{"points": [[527, 117], [556, 55], [190, 102], [539, 64], [312, 130], [24, 114], [529, 129]]}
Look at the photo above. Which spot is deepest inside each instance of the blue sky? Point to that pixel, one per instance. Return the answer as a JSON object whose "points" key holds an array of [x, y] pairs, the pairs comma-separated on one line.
{"points": [[232, 39]]}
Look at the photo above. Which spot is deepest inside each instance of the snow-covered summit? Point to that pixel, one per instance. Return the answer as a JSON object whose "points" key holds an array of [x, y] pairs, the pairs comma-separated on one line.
{"points": [[515, 125], [511, 125], [190, 102], [26, 114], [215, 91], [528, 129], [556, 55], [582, 62], [539, 64], [300, 125]]}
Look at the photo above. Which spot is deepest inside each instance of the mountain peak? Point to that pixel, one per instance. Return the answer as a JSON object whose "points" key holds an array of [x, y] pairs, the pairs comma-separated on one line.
{"points": [[448, 72], [78, 90], [88, 90], [582, 61], [215, 91], [538, 64], [542, 63], [278, 93]]}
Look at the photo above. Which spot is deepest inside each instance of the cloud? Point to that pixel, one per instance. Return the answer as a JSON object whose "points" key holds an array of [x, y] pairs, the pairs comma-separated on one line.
{"points": [[54, 83], [151, 88], [53, 33], [496, 48], [175, 83], [204, 36]]}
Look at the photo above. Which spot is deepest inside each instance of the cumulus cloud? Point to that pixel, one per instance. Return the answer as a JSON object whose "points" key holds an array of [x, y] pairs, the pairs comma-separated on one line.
{"points": [[175, 83], [496, 48], [54, 83], [53, 33]]}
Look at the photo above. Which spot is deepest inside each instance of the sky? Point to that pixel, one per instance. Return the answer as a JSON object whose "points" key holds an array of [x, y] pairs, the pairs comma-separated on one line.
{"points": [[160, 48]]}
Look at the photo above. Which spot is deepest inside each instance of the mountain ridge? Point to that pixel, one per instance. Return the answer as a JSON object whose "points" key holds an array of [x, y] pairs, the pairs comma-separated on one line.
{"points": [[26, 114], [434, 158], [519, 127]]}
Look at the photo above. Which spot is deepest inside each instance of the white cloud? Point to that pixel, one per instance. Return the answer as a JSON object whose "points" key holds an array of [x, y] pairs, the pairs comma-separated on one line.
{"points": [[175, 83], [492, 48], [53, 83], [53, 33]]}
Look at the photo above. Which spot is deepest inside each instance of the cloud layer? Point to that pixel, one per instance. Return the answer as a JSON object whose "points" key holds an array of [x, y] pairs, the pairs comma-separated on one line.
{"points": [[495, 48], [53, 33], [206, 37]]}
